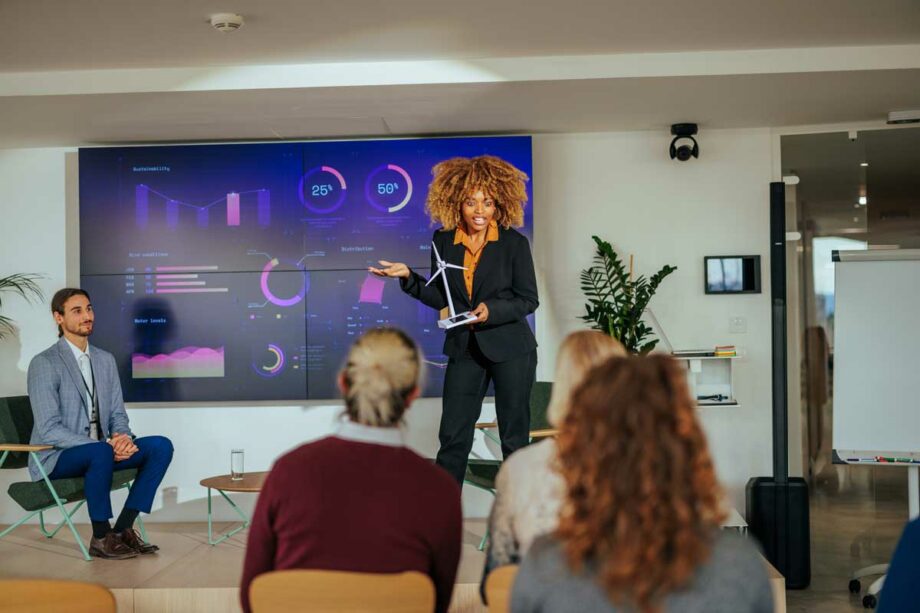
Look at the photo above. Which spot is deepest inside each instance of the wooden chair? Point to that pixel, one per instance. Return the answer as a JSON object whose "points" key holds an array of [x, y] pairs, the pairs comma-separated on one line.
{"points": [[286, 591], [48, 596], [498, 588]]}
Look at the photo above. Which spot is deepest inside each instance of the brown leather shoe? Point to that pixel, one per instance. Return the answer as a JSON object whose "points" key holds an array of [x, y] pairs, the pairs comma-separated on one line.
{"points": [[111, 547], [132, 539]]}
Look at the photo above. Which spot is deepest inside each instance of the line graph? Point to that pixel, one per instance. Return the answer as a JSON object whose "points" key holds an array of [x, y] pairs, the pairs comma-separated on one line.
{"points": [[233, 200]]}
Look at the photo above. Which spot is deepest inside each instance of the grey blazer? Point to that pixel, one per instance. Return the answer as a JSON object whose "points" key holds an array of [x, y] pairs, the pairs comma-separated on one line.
{"points": [[59, 402]]}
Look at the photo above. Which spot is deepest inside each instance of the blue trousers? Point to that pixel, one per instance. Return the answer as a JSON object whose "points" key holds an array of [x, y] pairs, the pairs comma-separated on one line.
{"points": [[95, 462]]}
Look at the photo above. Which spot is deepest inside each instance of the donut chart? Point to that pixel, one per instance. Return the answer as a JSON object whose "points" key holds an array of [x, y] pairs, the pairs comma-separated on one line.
{"points": [[266, 291], [376, 192], [274, 363], [322, 189]]}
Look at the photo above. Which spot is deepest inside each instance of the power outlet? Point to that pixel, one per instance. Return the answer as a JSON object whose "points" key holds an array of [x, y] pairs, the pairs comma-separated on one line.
{"points": [[737, 325]]}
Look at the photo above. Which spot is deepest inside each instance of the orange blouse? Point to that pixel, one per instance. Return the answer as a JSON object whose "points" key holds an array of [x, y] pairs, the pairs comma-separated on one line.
{"points": [[471, 257]]}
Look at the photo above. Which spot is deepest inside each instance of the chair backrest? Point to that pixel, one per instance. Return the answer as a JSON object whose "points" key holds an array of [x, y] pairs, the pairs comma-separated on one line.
{"points": [[48, 596], [539, 403], [16, 427], [327, 590], [498, 588]]}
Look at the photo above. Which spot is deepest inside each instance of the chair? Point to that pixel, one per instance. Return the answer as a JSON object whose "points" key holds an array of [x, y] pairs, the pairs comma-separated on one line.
{"points": [[480, 472], [48, 596], [36, 497], [339, 591], [498, 588]]}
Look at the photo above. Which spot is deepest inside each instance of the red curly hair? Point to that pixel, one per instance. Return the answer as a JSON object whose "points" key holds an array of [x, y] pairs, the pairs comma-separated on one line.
{"points": [[642, 499], [456, 179]]}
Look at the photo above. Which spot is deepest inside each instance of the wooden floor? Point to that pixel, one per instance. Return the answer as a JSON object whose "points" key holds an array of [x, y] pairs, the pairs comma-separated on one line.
{"points": [[855, 522], [187, 575], [857, 515]]}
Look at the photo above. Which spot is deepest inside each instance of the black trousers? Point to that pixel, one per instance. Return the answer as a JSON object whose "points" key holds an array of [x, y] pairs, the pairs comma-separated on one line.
{"points": [[465, 384]]}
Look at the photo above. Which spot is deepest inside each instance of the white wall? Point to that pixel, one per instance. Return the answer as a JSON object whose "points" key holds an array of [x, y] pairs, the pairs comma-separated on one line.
{"points": [[621, 186]]}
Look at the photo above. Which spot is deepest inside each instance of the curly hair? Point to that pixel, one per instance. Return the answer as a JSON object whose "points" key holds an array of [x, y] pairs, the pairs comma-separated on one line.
{"points": [[642, 499], [457, 178]]}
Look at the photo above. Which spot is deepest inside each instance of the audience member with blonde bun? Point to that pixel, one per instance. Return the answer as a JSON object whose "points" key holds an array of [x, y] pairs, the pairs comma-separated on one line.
{"points": [[361, 500], [528, 488], [639, 528]]}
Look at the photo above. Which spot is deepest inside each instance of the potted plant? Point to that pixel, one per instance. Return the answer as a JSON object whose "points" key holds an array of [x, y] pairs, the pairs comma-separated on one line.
{"points": [[24, 284], [617, 301]]}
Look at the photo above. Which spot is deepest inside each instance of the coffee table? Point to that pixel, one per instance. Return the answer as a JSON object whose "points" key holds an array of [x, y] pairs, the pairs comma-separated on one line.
{"points": [[250, 483]]}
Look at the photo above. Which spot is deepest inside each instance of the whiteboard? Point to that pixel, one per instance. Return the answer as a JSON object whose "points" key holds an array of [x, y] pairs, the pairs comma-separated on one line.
{"points": [[877, 352]]}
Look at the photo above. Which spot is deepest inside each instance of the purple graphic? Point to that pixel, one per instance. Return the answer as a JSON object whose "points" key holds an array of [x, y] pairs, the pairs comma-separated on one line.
{"points": [[140, 206], [172, 213], [321, 190], [372, 290], [276, 365], [373, 191], [233, 209], [282, 302], [232, 200], [187, 362]]}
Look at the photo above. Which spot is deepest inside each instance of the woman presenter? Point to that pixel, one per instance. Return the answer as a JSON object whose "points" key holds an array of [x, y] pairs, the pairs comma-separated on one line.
{"points": [[478, 201]]}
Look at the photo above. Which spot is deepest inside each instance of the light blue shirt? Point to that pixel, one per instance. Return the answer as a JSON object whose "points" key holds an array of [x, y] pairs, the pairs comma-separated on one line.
{"points": [[86, 369]]}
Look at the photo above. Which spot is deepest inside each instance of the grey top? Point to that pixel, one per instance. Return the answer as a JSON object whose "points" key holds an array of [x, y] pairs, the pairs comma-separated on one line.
{"points": [[733, 580], [60, 405]]}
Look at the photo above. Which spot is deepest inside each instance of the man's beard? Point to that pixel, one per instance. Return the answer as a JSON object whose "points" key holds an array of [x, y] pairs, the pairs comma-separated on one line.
{"points": [[81, 330]]}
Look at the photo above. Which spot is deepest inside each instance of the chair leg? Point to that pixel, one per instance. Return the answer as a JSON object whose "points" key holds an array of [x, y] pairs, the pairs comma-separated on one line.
{"points": [[18, 523], [41, 520], [60, 505], [485, 538]]}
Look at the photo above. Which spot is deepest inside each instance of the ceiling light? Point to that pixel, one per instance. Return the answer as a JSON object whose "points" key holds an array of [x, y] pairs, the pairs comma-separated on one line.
{"points": [[863, 200], [227, 22], [864, 164]]}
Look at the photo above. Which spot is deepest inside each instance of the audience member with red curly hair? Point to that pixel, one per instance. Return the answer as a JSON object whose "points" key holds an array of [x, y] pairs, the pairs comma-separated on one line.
{"points": [[639, 528]]}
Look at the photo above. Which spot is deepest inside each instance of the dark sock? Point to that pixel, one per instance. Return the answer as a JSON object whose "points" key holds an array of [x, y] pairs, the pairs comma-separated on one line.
{"points": [[101, 528], [126, 519]]}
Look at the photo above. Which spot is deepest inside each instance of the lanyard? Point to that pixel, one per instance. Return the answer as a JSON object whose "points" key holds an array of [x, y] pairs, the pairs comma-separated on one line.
{"points": [[93, 409]]}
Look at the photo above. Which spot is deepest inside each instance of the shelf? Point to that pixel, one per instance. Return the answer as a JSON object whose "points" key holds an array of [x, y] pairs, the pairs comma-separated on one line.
{"points": [[705, 357], [710, 377]]}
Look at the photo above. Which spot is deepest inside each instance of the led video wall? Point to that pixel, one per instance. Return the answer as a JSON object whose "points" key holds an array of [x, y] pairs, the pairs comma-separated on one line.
{"points": [[239, 272]]}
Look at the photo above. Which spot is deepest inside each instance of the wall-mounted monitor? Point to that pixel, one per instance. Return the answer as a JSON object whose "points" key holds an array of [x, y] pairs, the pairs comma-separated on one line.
{"points": [[239, 272], [731, 274]]}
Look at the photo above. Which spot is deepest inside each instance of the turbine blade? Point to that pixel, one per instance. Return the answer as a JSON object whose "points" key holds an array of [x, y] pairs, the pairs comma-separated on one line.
{"points": [[434, 276], [455, 266], [437, 256]]}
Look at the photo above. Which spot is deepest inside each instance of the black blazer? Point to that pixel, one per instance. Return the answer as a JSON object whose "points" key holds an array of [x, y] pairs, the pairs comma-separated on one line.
{"points": [[504, 280]]}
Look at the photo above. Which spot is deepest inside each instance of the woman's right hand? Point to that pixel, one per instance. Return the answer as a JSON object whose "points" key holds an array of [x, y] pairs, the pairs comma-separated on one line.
{"points": [[390, 269]]}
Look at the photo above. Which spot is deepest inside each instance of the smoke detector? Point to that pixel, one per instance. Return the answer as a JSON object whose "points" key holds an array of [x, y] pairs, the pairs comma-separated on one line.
{"points": [[227, 22]]}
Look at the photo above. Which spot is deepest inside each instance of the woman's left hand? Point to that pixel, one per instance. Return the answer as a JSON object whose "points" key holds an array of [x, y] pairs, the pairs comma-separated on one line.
{"points": [[481, 312]]}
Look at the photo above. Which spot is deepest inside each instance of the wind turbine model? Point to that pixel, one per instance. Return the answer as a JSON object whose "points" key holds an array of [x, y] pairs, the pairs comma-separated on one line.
{"points": [[454, 319]]}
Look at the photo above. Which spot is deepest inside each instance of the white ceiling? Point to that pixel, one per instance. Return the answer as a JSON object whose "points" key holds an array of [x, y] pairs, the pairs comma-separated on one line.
{"points": [[532, 107], [139, 71], [41, 35]]}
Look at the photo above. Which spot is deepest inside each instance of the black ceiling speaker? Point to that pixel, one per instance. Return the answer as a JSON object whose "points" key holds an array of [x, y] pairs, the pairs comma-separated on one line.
{"points": [[683, 152]]}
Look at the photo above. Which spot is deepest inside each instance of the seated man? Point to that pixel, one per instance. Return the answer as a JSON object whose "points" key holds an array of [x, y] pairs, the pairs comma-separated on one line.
{"points": [[78, 408]]}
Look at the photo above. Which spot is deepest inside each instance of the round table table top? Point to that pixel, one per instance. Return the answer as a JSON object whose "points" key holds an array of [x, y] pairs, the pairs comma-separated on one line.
{"points": [[251, 482]]}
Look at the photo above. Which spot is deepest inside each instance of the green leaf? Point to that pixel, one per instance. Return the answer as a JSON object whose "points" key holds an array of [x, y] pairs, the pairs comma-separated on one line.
{"points": [[26, 286], [615, 303]]}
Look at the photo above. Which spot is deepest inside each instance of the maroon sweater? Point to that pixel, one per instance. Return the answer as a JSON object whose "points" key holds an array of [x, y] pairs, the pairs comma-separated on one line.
{"points": [[338, 504]]}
